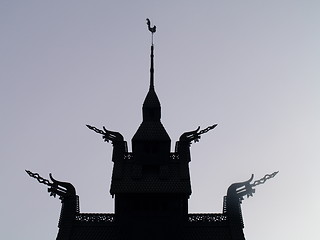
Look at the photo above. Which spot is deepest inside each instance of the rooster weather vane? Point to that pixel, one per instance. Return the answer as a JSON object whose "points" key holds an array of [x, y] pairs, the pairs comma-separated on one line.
{"points": [[151, 29]]}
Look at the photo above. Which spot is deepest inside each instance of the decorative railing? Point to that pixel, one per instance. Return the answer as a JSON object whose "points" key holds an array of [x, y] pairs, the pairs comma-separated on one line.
{"points": [[207, 218], [128, 155], [95, 218], [174, 156], [108, 218]]}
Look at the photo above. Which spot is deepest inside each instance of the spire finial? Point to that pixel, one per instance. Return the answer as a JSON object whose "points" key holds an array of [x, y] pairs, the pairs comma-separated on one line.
{"points": [[151, 29]]}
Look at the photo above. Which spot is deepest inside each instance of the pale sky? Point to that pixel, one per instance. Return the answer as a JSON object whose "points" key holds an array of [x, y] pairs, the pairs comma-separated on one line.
{"points": [[251, 66]]}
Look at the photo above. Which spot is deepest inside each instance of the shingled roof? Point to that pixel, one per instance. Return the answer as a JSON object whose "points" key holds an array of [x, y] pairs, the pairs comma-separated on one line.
{"points": [[151, 131]]}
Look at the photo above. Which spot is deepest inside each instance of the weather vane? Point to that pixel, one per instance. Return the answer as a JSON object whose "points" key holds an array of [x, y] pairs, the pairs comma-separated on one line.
{"points": [[151, 29]]}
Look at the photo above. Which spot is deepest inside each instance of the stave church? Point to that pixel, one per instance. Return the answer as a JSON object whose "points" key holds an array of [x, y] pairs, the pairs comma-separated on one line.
{"points": [[151, 187]]}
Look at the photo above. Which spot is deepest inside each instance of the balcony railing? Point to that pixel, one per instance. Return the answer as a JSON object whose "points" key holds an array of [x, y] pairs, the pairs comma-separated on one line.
{"points": [[108, 218], [207, 218], [95, 218]]}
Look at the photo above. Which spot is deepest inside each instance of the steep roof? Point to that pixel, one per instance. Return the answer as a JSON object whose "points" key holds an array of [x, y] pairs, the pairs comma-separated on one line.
{"points": [[151, 131]]}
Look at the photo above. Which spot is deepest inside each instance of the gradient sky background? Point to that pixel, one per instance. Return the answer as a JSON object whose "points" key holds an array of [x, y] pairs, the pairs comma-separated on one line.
{"points": [[251, 66]]}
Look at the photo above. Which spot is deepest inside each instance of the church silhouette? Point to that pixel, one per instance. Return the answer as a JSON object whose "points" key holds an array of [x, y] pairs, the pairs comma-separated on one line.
{"points": [[151, 187]]}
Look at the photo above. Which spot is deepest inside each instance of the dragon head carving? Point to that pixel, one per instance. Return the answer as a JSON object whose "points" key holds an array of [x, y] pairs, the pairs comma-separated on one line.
{"points": [[241, 189], [62, 189], [190, 136]]}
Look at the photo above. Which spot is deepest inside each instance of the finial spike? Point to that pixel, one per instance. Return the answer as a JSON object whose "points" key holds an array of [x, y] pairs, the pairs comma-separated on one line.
{"points": [[151, 69], [152, 30]]}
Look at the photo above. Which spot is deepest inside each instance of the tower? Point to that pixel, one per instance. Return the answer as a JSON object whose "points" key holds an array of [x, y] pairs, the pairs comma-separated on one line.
{"points": [[151, 187]]}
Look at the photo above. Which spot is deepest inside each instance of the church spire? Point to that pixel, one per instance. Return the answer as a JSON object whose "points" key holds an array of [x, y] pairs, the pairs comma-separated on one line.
{"points": [[152, 30], [151, 109], [151, 142]]}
